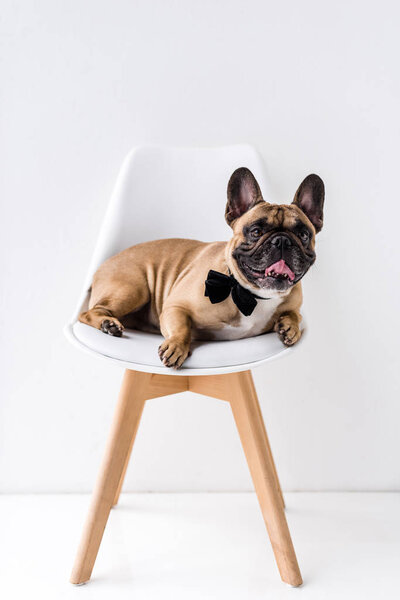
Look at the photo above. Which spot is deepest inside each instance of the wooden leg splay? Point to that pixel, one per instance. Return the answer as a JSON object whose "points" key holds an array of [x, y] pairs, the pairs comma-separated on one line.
{"points": [[236, 388]]}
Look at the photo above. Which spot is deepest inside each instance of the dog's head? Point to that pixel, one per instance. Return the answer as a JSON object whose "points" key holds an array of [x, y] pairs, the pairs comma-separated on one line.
{"points": [[273, 244]]}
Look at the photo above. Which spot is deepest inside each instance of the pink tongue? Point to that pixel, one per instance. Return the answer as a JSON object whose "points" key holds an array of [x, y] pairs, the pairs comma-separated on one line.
{"points": [[280, 268]]}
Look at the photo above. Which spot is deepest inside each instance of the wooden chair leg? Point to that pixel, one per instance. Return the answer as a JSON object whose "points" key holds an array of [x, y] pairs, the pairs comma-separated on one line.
{"points": [[136, 388], [126, 420], [267, 444], [124, 470], [248, 418], [221, 386], [159, 385], [239, 390]]}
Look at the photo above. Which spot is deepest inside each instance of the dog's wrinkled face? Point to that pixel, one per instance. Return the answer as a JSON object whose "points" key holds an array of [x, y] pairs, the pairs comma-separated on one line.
{"points": [[273, 245]]}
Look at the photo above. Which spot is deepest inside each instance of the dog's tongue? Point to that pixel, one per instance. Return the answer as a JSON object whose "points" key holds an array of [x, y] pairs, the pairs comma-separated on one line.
{"points": [[280, 268]]}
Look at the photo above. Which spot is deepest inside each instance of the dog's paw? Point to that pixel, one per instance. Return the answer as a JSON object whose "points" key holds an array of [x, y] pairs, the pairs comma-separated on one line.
{"points": [[288, 330], [112, 327], [173, 352]]}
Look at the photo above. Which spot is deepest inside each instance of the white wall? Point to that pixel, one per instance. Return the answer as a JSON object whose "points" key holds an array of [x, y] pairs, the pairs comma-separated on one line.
{"points": [[315, 86]]}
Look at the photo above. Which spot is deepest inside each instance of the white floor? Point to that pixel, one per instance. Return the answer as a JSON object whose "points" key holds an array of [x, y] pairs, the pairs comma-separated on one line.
{"points": [[192, 546]]}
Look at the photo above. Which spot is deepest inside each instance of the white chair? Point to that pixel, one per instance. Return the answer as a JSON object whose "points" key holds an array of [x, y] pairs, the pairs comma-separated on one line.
{"points": [[179, 192]]}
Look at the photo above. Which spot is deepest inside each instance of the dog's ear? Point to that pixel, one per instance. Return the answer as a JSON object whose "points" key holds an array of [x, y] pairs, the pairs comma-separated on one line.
{"points": [[310, 198], [243, 193]]}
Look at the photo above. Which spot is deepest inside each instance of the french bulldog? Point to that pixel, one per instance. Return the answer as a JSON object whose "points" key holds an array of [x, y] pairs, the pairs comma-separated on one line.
{"points": [[189, 289]]}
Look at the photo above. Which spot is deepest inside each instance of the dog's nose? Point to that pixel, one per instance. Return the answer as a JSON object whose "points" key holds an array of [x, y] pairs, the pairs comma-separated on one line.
{"points": [[281, 241]]}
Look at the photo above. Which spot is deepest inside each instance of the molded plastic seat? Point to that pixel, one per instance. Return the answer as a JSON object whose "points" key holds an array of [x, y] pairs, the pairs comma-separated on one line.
{"points": [[140, 350], [172, 192]]}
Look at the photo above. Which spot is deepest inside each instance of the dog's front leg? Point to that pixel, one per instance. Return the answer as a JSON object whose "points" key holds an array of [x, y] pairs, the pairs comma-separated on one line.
{"points": [[175, 325]]}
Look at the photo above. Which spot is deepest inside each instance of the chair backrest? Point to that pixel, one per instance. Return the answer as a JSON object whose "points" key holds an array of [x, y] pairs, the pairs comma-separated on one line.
{"points": [[166, 192]]}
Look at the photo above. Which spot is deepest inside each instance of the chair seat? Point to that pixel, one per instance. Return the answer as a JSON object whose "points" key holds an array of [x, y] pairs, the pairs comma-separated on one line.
{"points": [[138, 351]]}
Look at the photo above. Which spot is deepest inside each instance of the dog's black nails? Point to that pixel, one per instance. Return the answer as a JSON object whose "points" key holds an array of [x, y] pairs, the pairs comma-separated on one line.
{"points": [[111, 328], [115, 330]]}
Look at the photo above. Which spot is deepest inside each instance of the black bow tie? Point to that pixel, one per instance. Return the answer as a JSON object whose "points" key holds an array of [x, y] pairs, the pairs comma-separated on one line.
{"points": [[219, 286]]}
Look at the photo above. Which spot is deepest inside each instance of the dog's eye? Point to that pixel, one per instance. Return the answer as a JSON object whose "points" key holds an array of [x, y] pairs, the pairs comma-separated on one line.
{"points": [[304, 236], [256, 232]]}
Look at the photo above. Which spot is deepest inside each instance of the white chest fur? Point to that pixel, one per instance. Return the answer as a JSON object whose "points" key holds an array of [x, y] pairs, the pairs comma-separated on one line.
{"points": [[254, 324]]}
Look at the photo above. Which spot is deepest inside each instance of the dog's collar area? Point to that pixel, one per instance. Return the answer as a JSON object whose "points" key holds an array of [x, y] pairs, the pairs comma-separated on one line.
{"points": [[219, 286]]}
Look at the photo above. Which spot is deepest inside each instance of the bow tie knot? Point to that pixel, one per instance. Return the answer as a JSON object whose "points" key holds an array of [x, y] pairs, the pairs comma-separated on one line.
{"points": [[219, 286]]}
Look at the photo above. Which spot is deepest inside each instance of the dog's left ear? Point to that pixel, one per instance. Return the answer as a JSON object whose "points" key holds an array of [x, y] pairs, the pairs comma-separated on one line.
{"points": [[243, 193], [310, 198]]}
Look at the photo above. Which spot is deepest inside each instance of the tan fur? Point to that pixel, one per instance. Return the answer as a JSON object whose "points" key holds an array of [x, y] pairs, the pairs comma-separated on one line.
{"points": [[162, 283]]}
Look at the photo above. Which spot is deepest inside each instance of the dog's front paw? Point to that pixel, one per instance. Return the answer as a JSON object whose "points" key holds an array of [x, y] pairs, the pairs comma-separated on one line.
{"points": [[112, 327], [288, 330], [173, 352]]}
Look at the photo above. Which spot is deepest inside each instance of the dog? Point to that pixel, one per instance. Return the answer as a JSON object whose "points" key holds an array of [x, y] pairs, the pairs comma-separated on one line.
{"points": [[189, 289]]}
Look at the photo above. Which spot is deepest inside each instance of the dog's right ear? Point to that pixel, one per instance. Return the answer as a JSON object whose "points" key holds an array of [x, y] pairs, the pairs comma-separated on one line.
{"points": [[243, 193]]}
